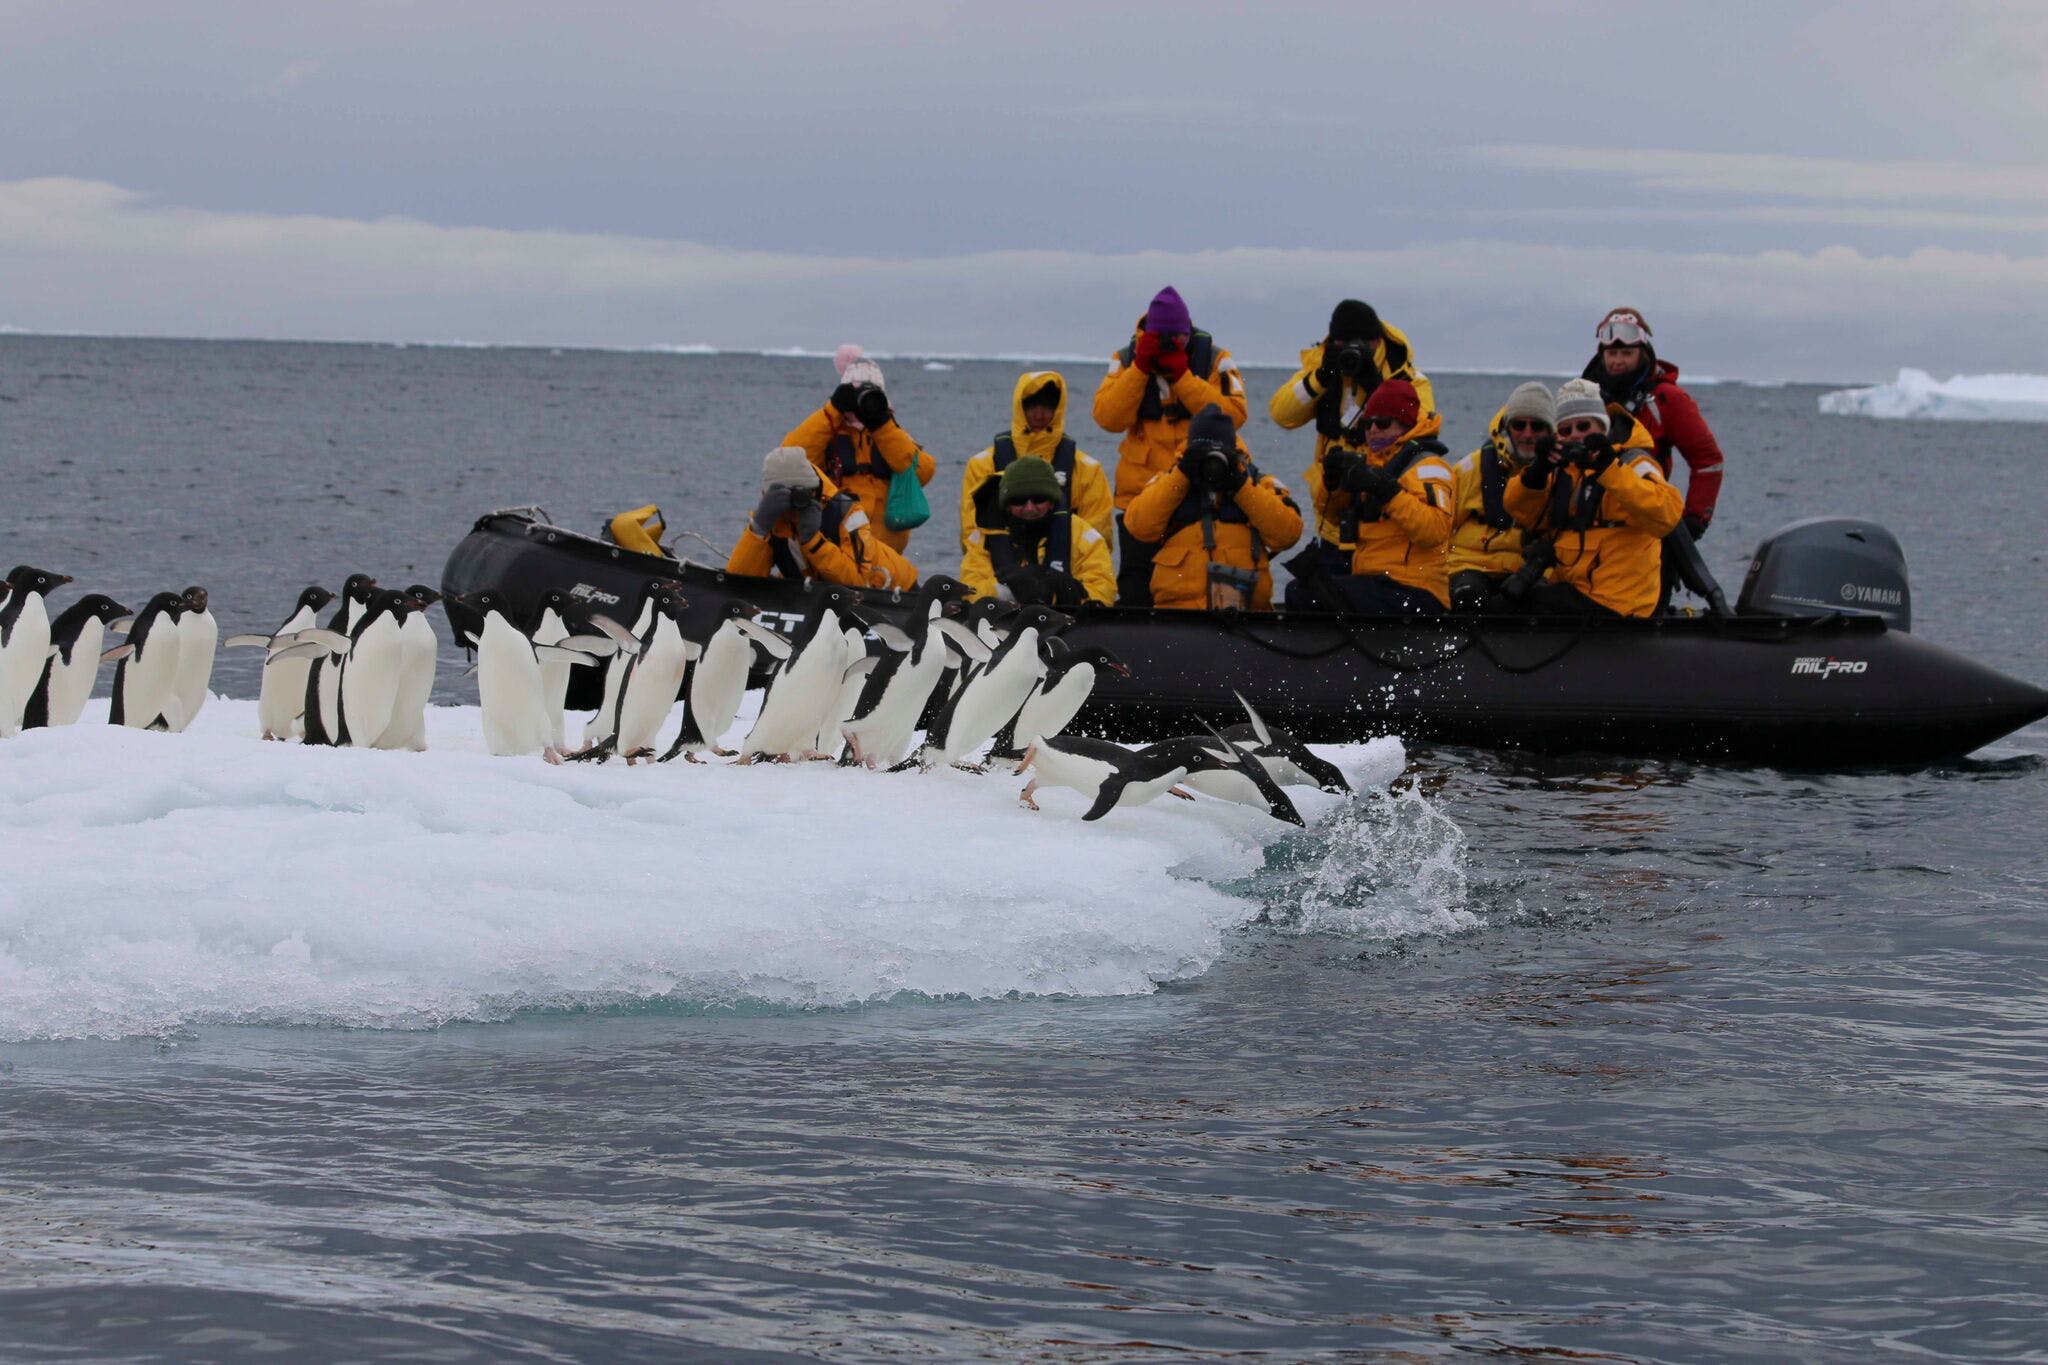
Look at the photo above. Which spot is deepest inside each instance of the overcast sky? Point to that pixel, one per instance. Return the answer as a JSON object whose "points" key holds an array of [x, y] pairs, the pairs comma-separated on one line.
{"points": [[1787, 190]]}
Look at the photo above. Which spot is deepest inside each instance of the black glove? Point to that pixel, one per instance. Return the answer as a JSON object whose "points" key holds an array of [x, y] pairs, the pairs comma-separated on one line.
{"points": [[1337, 466], [810, 520], [1326, 375], [1029, 584], [872, 407], [1695, 523], [769, 510], [1239, 472], [1373, 481], [1066, 590], [843, 399], [1543, 461], [1596, 452]]}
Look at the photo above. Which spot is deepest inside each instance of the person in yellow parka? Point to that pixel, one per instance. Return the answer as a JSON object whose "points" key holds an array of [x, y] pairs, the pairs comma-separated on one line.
{"points": [[1337, 376], [1170, 370], [1390, 496], [856, 442], [1600, 501], [1486, 544], [1040, 553], [803, 527], [1038, 427], [1216, 522]]}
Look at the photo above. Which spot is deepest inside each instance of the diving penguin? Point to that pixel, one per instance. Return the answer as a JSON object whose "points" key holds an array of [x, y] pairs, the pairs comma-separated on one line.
{"points": [[1109, 775], [1287, 758], [1214, 767], [74, 662]]}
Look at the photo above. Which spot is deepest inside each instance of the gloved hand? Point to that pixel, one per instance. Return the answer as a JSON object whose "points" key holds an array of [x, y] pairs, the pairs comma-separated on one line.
{"points": [[1325, 376], [1695, 523], [769, 510], [1543, 462], [1173, 364], [843, 399], [1338, 464], [1239, 472], [1596, 453], [810, 521], [1029, 584], [873, 410], [1145, 353], [1372, 481], [1065, 589]]}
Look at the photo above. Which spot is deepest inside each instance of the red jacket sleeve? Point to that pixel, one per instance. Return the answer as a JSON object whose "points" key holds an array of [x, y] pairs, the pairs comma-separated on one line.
{"points": [[1688, 434]]}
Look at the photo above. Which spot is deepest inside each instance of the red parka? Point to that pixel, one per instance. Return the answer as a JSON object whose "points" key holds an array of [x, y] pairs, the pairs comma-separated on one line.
{"points": [[1652, 396]]}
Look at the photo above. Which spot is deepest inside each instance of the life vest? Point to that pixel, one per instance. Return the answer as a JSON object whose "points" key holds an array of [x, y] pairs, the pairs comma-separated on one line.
{"points": [[1056, 547], [1493, 487], [1355, 517], [1201, 361], [790, 565], [1062, 462], [1575, 503], [842, 458]]}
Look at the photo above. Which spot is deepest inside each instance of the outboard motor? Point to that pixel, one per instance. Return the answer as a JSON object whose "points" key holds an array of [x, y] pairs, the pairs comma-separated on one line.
{"points": [[1828, 565]]}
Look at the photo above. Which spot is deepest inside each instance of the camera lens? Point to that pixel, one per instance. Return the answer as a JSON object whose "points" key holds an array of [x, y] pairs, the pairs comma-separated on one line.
{"points": [[1350, 360], [871, 405]]}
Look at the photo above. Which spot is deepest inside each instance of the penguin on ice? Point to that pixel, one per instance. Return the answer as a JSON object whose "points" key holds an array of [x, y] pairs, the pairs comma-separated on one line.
{"points": [[281, 697], [24, 640], [370, 674], [198, 635], [995, 692], [896, 692], [806, 688], [418, 657], [75, 639], [600, 734], [145, 682], [861, 661], [653, 678], [1109, 775], [1284, 756], [1070, 676], [1216, 768], [508, 683], [718, 680], [322, 709]]}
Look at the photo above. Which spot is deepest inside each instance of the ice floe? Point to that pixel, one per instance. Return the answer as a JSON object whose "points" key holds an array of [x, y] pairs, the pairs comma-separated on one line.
{"points": [[1965, 398]]}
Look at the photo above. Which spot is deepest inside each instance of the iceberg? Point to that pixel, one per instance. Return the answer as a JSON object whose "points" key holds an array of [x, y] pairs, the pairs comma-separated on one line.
{"points": [[1966, 398], [156, 883]]}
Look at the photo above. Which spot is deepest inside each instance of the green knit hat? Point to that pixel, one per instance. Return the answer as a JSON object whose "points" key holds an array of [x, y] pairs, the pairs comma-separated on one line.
{"points": [[1030, 477]]}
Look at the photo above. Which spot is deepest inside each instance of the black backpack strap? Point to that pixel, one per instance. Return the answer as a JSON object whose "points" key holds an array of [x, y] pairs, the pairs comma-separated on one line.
{"points": [[1005, 450]]}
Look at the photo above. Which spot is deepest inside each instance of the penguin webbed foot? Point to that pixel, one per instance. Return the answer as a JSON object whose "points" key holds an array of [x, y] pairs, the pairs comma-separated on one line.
{"points": [[591, 753], [723, 753], [552, 755], [1181, 792], [978, 769], [1024, 798], [906, 765]]}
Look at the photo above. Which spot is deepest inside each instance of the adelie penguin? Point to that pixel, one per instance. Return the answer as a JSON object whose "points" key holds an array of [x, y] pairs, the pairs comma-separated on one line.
{"points": [[802, 694], [996, 691], [1070, 676], [146, 681], [895, 694], [418, 657], [1287, 758], [717, 680], [371, 672], [75, 639], [1109, 775], [24, 640], [198, 636], [652, 678], [281, 697], [322, 709], [508, 682], [1217, 768]]}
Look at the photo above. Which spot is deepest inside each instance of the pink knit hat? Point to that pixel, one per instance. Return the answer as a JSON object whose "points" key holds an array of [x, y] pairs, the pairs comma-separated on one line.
{"points": [[855, 367]]}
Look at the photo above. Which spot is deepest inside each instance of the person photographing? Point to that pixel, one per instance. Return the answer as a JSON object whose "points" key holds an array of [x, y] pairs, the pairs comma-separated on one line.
{"points": [[802, 528], [1389, 497], [855, 442], [1027, 547], [1213, 522]]}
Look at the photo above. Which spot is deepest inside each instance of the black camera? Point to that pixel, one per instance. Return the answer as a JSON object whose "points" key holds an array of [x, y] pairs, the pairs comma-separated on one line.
{"points": [[800, 498], [1537, 557], [871, 405], [1215, 467], [1351, 358]]}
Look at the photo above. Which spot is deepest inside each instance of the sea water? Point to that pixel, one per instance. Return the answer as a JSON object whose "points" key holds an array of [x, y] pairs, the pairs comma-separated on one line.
{"points": [[443, 1057]]}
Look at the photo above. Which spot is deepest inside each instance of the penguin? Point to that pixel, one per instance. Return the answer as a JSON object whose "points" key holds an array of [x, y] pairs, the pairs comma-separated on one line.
{"points": [[807, 686], [24, 640], [1108, 774], [145, 682], [995, 691], [198, 635], [718, 680], [978, 618], [322, 709], [1215, 767], [1070, 676], [508, 682], [74, 661], [653, 678], [371, 671], [418, 657], [879, 734], [600, 734], [862, 659], [551, 626], [281, 697], [1284, 756]]}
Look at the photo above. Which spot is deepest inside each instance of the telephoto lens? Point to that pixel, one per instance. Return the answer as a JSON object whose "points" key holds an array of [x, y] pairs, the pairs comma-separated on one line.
{"points": [[871, 405], [1350, 359], [1215, 468]]}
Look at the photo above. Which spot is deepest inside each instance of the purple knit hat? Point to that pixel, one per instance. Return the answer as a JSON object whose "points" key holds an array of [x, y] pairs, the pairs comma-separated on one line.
{"points": [[1168, 314]]}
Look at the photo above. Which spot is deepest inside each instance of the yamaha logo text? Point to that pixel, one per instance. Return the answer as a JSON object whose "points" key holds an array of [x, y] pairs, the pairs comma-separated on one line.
{"points": [[1827, 668], [1882, 597]]}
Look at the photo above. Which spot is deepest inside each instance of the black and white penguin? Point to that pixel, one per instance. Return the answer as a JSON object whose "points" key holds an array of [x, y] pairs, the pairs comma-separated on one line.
{"points": [[370, 673], [1284, 756], [24, 640], [74, 662], [145, 682], [1109, 775], [1070, 676], [718, 679], [1217, 768], [508, 683], [886, 715], [995, 691], [653, 678], [600, 734], [418, 658], [198, 637], [806, 688], [281, 696], [322, 710]]}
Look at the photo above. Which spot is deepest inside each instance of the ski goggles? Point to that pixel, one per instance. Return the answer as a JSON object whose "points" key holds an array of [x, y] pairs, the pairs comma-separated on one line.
{"points": [[1623, 329]]}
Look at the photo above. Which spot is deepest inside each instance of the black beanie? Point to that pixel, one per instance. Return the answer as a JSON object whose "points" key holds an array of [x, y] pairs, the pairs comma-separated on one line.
{"points": [[1355, 321], [1213, 424]]}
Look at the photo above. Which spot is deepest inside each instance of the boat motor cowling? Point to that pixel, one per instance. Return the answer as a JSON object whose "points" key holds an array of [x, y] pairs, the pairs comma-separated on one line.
{"points": [[1828, 565]]}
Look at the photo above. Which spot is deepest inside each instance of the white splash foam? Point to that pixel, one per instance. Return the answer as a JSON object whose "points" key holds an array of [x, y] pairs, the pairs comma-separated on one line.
{"points": [[1917, 394], [154, 882]]}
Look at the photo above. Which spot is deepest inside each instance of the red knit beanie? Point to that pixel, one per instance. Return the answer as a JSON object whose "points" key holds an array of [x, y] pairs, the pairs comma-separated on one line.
{"points": [[1395, 398]]}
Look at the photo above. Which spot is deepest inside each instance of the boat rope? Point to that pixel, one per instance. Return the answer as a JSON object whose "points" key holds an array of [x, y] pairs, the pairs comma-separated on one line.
{"points": [[1348, 638]]}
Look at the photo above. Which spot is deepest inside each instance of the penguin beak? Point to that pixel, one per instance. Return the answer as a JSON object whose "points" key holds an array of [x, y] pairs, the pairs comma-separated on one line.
{"points": [[1121, 670]]}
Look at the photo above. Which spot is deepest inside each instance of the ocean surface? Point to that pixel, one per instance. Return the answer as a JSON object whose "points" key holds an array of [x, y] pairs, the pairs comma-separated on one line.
{"points": [[1545, 1058]]}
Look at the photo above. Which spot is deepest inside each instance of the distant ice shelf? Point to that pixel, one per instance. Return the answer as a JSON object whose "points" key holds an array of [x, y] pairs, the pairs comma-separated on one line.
{"points": [[1965, 398]]}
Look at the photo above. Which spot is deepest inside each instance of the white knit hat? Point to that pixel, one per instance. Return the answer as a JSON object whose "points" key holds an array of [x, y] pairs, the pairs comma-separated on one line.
{"points": [[788, 467], [855, 368], [1580, 398]]}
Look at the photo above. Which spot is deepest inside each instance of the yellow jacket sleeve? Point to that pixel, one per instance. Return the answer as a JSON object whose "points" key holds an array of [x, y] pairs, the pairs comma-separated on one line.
{"points": [[887, 567], [1525, 504], [814, 433], [1147, 516], [1091, 497], [1092, 563], [977, 570], [829, 561], [1293, 404], [1119, 395], [1422, 509], [979, 467], [750, 555], [1645, 500], [897, 450], [1272, 511]]}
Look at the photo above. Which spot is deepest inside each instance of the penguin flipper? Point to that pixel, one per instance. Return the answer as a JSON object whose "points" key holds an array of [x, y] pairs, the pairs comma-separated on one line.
{"points": [[1106, 797], [247, 642], [117, 652], [310, 649]]}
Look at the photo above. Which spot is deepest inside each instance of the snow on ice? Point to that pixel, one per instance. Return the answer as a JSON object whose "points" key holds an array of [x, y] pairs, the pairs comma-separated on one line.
{"points": [[1965, 398]]}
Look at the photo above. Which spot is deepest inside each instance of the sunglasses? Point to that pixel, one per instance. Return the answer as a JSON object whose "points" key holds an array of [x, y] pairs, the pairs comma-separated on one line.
{"points": [[1583, 426], [1031, 500], [1623, 332], [1527, 424], [1382, 423]]}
